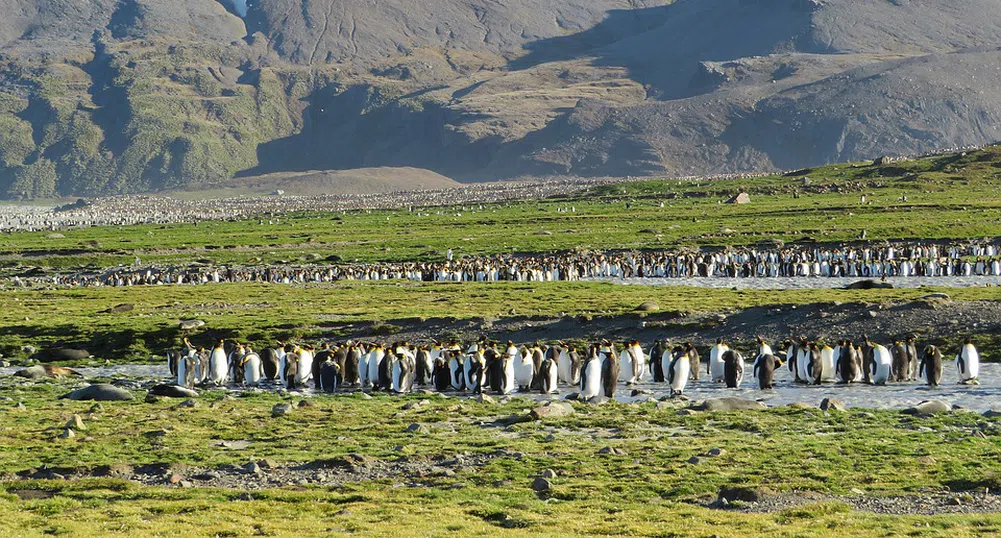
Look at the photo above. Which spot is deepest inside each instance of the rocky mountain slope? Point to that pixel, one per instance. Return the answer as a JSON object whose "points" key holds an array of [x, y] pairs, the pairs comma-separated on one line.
{"points": [[113, 96]]}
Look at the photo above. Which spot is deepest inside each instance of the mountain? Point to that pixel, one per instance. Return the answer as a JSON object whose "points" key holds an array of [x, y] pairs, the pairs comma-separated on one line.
{"points": [[114, 96]]}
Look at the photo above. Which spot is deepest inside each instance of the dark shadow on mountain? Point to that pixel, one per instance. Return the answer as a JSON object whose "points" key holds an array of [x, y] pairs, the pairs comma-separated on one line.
{"points": [[360, 127], [664, 47]]}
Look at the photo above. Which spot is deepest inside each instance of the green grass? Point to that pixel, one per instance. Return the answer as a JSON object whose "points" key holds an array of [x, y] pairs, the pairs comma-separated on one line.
{"points": [[262, 313], [948, 197], [647, 492]]}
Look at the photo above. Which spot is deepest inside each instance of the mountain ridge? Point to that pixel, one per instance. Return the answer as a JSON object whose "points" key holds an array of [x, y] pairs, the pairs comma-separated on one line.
{"points": [[117, 96]]}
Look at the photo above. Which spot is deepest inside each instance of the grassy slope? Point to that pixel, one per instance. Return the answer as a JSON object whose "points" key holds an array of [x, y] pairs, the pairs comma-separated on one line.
{"points": [[948, 197], [262, 313], [642, 493]]}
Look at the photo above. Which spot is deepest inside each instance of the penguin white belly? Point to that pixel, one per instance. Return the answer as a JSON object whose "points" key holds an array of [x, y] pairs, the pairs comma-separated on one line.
{"points": [[454, 373], [682, 367], [716, 366], [626, 370], [217, 367], [883, 361], [467, 368], [305, 371], [803, 365], [374, 360], [182, 371], [591, 379], [252, 369], [552, 380], [363, 379], [281, 370], [509, 383], [564, 369], [827, 364], [397, 377], [524, 370], [665, 363], [640, 367]]}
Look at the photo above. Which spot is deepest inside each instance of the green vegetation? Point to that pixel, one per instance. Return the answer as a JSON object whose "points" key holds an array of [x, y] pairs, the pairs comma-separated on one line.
{"points": [[948, 197], [650, 490]]}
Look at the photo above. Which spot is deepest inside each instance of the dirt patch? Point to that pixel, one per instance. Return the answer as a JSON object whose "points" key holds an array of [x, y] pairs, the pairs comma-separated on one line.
{"points": [[407, 471], [981, 502]]}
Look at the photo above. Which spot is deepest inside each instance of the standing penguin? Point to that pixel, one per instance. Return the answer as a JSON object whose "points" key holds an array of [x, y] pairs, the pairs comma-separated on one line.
{"points": [[173, 361], [475, 372], [187, 370], [881, 364], [898, 364], [321, 356], [694, 360], [548, 374], [305, 370], [424, 366], [401, 371], [537, 356], [269, 361], [455, 368], [508, 383], [235, 362], [931, 365], [495, 369], [330, 371], [847, 366], [912, 357], [764, 370], [610, 370], [290, 371], [386, 366], [374, 362], [968, 362], [352, 366], [252, 368], [203, 366], [524, 368], [568, 366], [814, 365], [803, 359], [590, 376], [218, 364], [656, 360], [828, 368], [792, 359], [733, 368], [763, 349], [677, 370], [632, 363], [716, 366], [441, 377]]}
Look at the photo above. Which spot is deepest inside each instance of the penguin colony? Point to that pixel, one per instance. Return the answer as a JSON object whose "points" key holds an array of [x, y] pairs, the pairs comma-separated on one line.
{"points": [[594, 370]]}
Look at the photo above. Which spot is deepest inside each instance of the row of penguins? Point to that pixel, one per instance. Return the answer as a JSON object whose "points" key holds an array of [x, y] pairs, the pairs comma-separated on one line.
{"points": [[595, 369]]}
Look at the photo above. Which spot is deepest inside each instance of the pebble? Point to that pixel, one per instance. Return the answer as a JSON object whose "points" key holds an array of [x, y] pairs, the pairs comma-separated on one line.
{"points": [[417, 428], [541, 485], [67, 434], [76, 423], [280, 410], [189, 403], [549, 473], [252, 468]]}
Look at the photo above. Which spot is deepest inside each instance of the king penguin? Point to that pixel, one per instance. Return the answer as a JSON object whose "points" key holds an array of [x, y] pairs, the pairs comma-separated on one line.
{"points": [[968, 363], [931, 366]]}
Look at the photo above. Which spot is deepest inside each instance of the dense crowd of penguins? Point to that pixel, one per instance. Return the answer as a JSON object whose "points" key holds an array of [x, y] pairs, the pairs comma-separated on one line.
{"points": [[595, 369], [919, 260]]}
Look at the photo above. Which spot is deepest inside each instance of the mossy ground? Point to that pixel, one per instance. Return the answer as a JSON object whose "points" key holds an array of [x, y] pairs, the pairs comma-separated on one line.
{"points": [[651, 490]]}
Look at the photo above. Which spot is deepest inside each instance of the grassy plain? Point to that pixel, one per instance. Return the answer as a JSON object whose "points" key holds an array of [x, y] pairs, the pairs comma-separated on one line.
{"points": [[650, 489], [947, 197], [263, 313]]}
